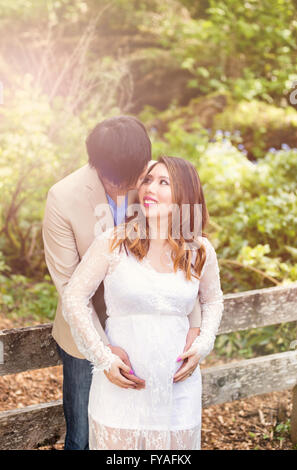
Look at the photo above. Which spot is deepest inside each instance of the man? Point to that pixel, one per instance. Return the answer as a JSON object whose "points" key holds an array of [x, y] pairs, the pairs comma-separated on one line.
{"points": [[119, 151]]}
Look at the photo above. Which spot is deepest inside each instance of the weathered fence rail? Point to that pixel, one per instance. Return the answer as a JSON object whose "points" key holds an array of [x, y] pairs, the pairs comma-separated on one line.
{"points": [[34, 348]]}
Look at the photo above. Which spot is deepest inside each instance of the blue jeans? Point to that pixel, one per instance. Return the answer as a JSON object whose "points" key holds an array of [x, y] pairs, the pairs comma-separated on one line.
{"points": [[77, 377]]}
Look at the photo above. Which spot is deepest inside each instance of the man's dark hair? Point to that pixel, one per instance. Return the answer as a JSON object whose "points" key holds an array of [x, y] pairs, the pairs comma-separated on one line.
{"points": [[119, 148]]}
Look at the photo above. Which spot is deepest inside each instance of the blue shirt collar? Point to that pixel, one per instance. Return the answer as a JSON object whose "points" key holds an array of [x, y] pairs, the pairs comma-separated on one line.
{"points": [[119, 212]]}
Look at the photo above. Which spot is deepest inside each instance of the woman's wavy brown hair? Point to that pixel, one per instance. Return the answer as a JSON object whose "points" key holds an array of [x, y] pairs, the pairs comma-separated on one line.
{"points": [[186, 188]]}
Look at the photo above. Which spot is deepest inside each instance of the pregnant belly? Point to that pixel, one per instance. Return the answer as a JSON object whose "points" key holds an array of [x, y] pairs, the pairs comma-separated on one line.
{"points": [[152, 342]]}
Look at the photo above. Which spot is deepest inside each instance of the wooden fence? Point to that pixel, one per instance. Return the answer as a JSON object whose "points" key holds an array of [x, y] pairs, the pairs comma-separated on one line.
{"points": [[34, 348]]}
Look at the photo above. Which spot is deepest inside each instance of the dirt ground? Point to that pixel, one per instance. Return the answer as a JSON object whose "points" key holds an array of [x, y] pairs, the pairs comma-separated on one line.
{"points": [[259, 422]]}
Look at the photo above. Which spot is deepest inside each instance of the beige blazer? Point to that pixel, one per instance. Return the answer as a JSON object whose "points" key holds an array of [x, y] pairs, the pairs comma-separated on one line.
{"points": [[68, 230]]}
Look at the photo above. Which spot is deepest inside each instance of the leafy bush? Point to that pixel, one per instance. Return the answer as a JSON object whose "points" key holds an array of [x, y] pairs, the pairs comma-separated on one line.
{"points": [[245, 47], [34, 154], [261, 126], [40, 143], [22, 297], [257, 341]]}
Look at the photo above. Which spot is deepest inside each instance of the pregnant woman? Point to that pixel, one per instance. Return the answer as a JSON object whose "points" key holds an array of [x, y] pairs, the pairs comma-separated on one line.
{"points": [[153, 267]]}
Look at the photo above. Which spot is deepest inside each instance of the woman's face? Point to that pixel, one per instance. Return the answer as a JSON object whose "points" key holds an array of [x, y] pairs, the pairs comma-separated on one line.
{"points": [[155, 192]]}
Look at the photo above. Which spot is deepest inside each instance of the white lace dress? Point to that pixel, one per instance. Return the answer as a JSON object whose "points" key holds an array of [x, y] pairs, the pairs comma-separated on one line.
{"points": [[147, 317]]}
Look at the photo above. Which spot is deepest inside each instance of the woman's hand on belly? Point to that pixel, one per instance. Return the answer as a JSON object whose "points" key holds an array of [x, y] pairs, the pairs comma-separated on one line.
{"points": [[190, 359], [137, 383]]}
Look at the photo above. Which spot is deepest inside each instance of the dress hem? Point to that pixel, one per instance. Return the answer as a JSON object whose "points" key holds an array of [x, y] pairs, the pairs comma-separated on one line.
{"points": [[148, 428]]}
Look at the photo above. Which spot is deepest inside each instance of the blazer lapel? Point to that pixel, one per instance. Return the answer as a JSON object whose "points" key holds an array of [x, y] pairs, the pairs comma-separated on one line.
{"points": [[97, 198]]}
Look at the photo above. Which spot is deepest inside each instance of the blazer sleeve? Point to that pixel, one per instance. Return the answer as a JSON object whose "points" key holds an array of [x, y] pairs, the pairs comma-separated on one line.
{"points": [[60, 250]]}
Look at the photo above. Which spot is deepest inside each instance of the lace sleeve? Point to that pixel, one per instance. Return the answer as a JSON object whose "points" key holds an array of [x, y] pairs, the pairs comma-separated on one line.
{"points": [[81, 287], [211, 302]]}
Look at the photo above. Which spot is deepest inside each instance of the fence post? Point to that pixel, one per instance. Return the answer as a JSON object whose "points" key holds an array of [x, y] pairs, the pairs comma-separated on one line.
{"points": [[294, 417]]}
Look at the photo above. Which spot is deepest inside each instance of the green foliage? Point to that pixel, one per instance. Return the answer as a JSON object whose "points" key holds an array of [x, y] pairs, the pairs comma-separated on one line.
{"points": [[261, 125], [257, 341], [22, 297], [245, 47], [68, 10], [283, 429], [41, 141], [268, 219], [279, 168], [181, 143], [35, 151]]}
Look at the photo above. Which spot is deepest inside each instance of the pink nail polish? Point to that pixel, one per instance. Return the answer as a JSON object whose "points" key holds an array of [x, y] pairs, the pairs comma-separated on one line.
{"points": [[131, 372], [178, 359]]}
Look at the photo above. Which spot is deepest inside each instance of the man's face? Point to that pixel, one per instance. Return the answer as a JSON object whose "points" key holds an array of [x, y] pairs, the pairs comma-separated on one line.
{"points": [[111, 187]]}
